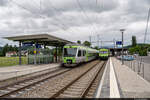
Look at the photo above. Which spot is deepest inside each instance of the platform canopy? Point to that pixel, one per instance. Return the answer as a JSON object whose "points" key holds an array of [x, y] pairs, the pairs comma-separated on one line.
{"points": [[44, 39]]}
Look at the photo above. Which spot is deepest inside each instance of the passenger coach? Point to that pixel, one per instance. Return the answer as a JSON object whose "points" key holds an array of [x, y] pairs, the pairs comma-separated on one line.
{"points": [[74, 54]]}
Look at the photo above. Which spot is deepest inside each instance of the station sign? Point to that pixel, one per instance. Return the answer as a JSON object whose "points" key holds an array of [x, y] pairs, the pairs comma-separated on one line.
{"points": [[38, 46], [27, 44], [118, 42]]}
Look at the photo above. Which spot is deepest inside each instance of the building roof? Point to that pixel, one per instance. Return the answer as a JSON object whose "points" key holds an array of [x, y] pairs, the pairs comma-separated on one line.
{"points": [[40, 39]]}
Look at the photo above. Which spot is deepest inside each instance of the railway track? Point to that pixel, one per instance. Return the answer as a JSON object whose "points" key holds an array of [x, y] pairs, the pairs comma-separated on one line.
{"points": [[82, 86], [92, 89], [9, 90], [74, 82]]}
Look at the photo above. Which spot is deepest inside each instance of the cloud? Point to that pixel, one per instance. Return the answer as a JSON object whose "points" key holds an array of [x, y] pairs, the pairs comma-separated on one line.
{"points": [[74, 19], [3, 2]]}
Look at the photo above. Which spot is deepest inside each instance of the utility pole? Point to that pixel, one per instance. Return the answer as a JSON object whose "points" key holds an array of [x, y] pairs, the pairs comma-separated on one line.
{"points": [[101, 43], [114, 46], [90, 40], [98, 40], [147, 23], [122, 30]]}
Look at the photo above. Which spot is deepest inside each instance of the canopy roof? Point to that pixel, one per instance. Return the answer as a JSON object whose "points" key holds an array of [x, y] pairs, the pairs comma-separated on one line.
{"points": [[40, 39]]}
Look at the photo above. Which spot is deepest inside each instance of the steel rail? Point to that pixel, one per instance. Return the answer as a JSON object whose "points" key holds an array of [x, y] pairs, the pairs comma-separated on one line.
{"points": [[72, 82], [34, 83], [30, 78], [92, 81]]}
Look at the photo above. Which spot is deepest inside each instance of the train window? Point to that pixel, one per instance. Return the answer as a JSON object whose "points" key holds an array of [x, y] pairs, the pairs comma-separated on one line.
{"points": [[84, 53], [103, 52], [79, 53], [70, 52]]}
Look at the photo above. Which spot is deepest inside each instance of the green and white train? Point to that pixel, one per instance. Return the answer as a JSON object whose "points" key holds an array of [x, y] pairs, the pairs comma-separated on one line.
{"points": [[103, 54], [74, 54]]}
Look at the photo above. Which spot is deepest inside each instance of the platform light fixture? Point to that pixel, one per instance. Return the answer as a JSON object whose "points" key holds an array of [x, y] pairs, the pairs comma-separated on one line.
{"points": [[122, 30]]}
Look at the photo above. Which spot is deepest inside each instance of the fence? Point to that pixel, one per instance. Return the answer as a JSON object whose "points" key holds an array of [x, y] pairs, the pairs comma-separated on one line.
{"points": [[40, 59], [10, 61], [43, 56], [141, 68]]}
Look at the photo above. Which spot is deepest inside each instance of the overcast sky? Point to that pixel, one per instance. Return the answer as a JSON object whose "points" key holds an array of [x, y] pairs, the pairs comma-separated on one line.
{"points": [[75, 19]]}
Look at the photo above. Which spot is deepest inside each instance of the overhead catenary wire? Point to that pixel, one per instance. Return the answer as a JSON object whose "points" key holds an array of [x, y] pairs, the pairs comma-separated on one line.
{"points": [[56, 18], [26, 9], [83, 11], [98, 9], [40, 5], [147, 23], [43, 17], [57, 10], [96, 15], [35, 1], [95, 26]]}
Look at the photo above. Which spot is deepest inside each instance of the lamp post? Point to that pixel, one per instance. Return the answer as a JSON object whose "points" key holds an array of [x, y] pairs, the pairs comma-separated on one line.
{"points": [[122, 30]]}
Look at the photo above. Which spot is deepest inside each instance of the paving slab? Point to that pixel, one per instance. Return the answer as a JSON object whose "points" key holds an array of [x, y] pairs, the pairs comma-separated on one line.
{"points": [[19, 70], [131, 84]]}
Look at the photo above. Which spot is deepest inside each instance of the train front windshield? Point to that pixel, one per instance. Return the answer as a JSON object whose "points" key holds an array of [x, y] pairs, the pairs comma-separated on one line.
{"points": [[70, 52], [103, 52]]}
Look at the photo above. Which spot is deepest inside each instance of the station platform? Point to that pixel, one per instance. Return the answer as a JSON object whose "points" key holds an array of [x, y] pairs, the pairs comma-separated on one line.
{"points": [[19, 70], [119, 81]]}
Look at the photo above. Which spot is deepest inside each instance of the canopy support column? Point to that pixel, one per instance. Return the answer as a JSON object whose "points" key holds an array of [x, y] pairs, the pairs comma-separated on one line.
{"points": [[35, 53], [19, 52], [44, 46], [56, 54]]}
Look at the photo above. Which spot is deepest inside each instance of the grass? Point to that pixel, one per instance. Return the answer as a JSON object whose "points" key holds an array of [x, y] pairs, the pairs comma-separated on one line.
{"points": [[11, 61]]}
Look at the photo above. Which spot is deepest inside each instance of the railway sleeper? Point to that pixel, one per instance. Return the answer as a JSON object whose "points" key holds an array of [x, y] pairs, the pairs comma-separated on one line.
{"points": [[13, 96], [68, 96], [79, 83], [18, 86], [11, 88], [23, 84], [72, 92], [90, 93], [76, 87], [21, 92], [92, 90], [29, 82], [4, 91]]}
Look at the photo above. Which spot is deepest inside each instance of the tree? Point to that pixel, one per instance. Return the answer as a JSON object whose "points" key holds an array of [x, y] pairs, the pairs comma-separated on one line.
{"points": [[15, 48], [133, 41], [148, 49], [5, 49], [96, 47], [138, 50], [79, 42], [87, 43], [8, 48], [1, 54]]}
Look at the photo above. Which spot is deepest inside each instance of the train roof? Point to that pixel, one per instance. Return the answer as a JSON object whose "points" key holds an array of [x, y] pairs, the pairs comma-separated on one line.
{"points": [[82, 46], [75, 44], [104, 49]]}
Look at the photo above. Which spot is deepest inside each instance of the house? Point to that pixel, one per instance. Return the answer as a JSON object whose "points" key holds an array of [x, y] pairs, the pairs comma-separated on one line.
{"points": [[11, 53], [24, 52]]}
